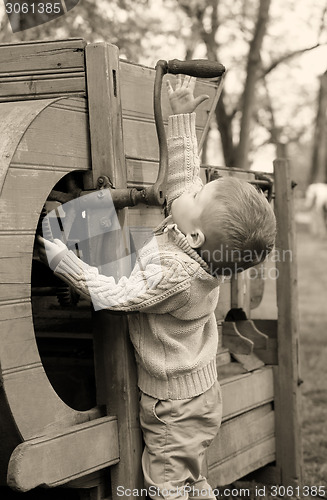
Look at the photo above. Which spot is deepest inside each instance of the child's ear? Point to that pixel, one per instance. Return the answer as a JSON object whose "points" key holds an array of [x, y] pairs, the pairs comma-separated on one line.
{"points": [[196, 238]]}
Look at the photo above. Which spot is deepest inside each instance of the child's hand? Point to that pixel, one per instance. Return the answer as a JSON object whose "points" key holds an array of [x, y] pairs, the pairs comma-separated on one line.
{"points": [[49, 250], [181, 99]]}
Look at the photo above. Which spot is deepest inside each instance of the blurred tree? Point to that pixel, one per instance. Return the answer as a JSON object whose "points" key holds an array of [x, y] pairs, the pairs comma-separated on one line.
{"points": [[261, 47], [265, 99], [121, 22], [318, 171]]}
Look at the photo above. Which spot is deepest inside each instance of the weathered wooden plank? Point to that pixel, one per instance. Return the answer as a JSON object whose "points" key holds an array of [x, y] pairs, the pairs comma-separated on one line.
{"points": [[15, 118], [42, 88], [288, 392], [104, 102], [257, 456], [246, 391], [36, 57], [141, 172], [15, 260], [59, 137], [17, 343], [67, 455], [14, 291], [230, 449], [116, 375], [23, 196], [35, 406]]}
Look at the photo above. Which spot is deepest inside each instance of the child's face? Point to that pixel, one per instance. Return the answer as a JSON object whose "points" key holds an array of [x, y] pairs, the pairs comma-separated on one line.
{"points": [[187, 209]]}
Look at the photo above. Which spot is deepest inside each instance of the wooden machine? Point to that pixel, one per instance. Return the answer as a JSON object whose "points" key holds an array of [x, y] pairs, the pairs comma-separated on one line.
{"points": [[75, 119]]}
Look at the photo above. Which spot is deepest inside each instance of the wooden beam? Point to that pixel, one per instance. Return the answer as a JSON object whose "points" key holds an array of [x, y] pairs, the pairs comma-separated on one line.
{"points": [[114, 356], [105, 115], [60, 457], [288, 394]]}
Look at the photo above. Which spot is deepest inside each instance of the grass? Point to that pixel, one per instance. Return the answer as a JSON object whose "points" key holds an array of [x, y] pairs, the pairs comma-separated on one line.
{"points": [[312, 282]]}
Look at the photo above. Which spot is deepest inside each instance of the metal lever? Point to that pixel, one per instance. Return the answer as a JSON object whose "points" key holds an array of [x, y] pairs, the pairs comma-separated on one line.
{"points": [[156, 194], [199, 68]]}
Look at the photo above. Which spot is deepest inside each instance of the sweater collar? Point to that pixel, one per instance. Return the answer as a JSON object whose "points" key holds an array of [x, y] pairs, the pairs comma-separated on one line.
{"points": [[169, 226]]}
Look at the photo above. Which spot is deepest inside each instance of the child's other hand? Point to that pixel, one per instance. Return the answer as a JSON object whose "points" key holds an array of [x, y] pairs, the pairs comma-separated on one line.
{"points": [[49, 251], [182, 99]]}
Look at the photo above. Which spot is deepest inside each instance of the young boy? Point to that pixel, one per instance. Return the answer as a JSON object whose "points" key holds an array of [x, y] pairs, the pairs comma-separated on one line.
{"points": [[222, 227]]}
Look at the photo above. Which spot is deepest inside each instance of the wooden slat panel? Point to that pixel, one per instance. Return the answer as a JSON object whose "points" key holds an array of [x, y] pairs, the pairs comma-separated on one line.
{"points": [[25, 188], [54, 144], [15, 118], [246, 391], [23, 196], [36, 407], [17, 344], [140, 217], [14, 291], [141, 172], [33, 403], [15, 260], [41, 88], [59, 458], [257, 456], [33, 57], [228, 455], [41, 69], [59, 137]]}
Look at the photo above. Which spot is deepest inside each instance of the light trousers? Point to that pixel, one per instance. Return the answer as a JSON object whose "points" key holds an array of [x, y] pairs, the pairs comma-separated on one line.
{"points": [[176, 434]]}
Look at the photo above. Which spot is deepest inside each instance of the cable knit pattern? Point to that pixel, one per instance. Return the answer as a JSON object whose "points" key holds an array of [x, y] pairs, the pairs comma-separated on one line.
{"points": [[174, 332], [183, 151]]}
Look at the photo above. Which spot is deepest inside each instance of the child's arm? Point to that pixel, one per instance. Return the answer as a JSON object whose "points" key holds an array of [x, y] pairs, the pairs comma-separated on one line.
{"points": [[184, 163], [156, 284]]}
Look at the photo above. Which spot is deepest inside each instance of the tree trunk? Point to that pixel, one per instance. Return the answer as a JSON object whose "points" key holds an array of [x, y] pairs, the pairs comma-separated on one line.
{"points": [[224, 122], [253, 67], [318, 172]]}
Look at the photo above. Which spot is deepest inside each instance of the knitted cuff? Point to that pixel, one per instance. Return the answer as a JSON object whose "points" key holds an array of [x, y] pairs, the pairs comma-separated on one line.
{"points": [[181, 125], [55, 261]]}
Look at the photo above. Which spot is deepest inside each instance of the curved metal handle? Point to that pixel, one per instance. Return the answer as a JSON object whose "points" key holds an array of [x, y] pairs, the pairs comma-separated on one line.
{"points": [[201, 68]]}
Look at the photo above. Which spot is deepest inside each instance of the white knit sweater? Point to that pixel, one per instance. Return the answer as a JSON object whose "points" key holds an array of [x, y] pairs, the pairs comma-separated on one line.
{"points": [[174, 332]]}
